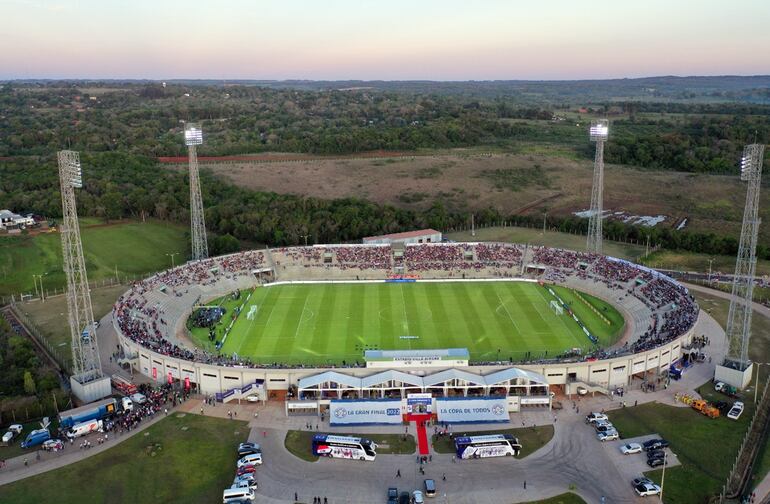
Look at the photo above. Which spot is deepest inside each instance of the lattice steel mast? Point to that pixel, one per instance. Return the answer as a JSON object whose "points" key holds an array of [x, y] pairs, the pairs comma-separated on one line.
{"points": [[598, 133], [193, 136], [739, 317], [86, 363]]}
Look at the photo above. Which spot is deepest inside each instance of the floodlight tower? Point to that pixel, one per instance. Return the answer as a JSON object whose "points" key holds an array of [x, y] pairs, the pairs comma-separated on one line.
{"points": [[88, 381], [738, 328], [598, 133], [193, 136]]}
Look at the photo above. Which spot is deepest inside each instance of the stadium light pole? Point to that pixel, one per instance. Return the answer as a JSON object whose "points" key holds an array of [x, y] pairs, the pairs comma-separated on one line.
{"points": [[710, 262], [35, 282], [306, 237], [598, 133], [193, 136], [663, 476]]}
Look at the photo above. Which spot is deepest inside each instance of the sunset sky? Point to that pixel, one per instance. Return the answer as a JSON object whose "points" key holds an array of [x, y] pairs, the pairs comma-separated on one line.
{"points": [[386, 39]]}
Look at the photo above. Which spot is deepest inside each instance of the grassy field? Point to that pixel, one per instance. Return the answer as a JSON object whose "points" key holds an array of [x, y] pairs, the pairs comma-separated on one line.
{"points": [[556, 239], [323, 323], [133, 248], [690, 261], [299, 443], [703, 471], [183, 458], [565, 498], [531, 439], [50, 317]]}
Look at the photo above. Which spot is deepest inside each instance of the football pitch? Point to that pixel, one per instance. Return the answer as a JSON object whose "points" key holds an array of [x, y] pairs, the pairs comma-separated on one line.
{"points": [[331, 323]]}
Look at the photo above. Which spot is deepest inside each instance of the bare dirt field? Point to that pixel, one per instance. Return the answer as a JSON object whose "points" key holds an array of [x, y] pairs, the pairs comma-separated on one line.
{"points": [[511, 183]]}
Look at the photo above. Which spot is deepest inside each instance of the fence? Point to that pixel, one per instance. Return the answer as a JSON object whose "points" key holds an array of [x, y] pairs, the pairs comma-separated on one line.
{"points": [[51, 293], [36, 411], [55, 354]]}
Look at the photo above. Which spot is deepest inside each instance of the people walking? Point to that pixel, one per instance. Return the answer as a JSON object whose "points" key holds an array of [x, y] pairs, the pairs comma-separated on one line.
{"points": [[398, 473]]}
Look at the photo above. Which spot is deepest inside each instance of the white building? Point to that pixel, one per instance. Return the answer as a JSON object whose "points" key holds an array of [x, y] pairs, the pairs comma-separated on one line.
{"points": [[10, 220], [419, 236]]}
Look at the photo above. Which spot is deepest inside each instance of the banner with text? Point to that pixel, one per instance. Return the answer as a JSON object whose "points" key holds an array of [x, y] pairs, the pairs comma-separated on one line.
{"points": [[472, 410], [371, 412]]}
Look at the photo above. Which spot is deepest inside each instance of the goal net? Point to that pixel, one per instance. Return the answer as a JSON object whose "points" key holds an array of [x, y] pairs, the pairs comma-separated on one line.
{"points": [[557, 307]]}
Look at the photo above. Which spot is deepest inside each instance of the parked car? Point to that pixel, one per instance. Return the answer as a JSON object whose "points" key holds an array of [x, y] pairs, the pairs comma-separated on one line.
{"points": [[430, 488], [610, 435], [246, 469], [655, 444], [248, 449], [593, 417], [605, 427], [718, 386], [640, 480], [253, 459], [736, 411], [252, 398], [656, 462], [631, 448], [417, 497], [656, 454], [404, 498], [249, 478], [53, 445], [392, 495], [645, 489]]}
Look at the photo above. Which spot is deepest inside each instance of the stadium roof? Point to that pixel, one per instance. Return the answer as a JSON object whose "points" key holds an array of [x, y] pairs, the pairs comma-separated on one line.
{"points": [[452, 374], [404, 235], [513, 373], [391, 375], [329, 376]]}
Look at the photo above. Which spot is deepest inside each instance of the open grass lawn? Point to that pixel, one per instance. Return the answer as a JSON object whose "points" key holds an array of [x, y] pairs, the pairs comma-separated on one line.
{"points": [[691, 261], [705, 447], [531, 438], [565, 498], [50, 317], [329, 323], [183, 458], [299, 443], [535, 236], [134, 248]]}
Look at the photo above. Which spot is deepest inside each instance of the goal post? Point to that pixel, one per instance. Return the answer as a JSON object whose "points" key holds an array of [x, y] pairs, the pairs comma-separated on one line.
{"points": [[557, 307]]}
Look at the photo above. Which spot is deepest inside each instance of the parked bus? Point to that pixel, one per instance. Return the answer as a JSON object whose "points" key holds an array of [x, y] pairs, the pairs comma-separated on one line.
{"points": [[328, 445], [493, 445]]}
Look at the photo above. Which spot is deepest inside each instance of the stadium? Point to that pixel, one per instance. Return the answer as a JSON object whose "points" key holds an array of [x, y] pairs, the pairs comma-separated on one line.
{"points": [[328, 322]]}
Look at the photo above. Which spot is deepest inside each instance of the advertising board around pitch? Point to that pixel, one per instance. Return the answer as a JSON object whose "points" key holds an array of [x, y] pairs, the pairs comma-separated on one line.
{"points": [[365, 412], [472, 410]]}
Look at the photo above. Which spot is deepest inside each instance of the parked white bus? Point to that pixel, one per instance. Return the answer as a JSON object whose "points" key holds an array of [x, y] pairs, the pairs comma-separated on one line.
{"points": [[493, 445], [328, 445]]}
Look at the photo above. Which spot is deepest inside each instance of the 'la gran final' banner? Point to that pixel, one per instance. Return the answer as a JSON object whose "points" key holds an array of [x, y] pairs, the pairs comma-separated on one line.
{"points": [[472, 410], [371, 412]]}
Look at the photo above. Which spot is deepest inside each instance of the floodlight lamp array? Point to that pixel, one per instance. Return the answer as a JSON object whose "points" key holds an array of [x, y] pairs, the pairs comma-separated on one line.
{"points": [[599, 130], [193, 135]]}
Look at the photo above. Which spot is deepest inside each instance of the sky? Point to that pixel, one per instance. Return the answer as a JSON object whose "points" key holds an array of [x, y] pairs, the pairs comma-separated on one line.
{"points": [[382, 40]]}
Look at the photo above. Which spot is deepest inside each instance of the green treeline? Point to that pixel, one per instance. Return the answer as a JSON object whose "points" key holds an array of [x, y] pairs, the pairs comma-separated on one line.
{"points": [[119, 185]]}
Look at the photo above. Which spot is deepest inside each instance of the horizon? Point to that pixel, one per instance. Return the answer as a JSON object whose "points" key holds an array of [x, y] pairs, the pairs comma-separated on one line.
{"points": [[440, 41]]}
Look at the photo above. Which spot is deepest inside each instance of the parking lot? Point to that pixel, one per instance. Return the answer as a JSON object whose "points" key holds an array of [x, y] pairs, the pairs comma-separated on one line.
{"points": [[633, 466]]}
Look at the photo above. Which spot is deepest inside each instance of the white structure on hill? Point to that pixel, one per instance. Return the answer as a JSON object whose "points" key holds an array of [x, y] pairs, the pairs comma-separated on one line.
{"points": [[10, 220]]}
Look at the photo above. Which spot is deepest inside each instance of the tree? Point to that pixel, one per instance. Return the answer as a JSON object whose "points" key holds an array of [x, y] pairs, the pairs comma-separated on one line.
{"points": [[29, 383]]}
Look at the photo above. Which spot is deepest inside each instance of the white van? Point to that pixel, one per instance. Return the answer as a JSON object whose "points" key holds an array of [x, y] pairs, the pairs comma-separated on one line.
{"points": [[84, 428], [138, 398], [252, 459], [238, 495]]}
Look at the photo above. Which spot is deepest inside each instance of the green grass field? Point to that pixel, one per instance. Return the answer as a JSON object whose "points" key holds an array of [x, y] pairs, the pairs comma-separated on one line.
{"points": [[182, 458], [328, 323], [133, 248]]}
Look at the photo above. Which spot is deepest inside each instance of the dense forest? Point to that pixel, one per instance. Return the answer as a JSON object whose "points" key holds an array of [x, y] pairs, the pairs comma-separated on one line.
{"points": [[22, 373], [147, 119], [121, 185]]}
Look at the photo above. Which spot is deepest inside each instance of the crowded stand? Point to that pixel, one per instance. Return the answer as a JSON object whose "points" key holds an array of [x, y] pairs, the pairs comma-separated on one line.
{"points": [[670, 310]]}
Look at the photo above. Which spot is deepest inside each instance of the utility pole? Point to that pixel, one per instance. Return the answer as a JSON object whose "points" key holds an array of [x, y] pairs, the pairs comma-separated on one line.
{"points": [[473, 226], [663, 476], [306, 236], [710, 262], [172, 258], [545, 215], [35, 281]]}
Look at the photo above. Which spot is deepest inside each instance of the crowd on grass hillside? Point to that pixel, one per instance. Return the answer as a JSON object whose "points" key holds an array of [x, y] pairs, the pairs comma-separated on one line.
{"points": [[674, 310]]}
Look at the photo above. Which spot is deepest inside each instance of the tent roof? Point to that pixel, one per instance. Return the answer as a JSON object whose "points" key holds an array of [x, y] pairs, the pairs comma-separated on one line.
{"points": [[329, 376]]}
